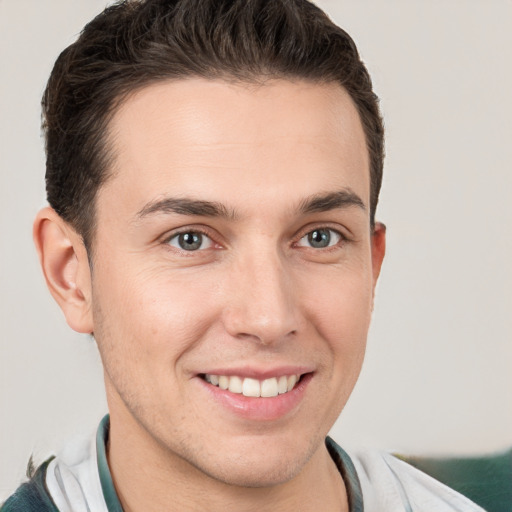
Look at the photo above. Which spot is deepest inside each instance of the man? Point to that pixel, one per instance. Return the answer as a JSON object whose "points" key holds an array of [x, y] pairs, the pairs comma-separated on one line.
{"points": [[213, 171]]}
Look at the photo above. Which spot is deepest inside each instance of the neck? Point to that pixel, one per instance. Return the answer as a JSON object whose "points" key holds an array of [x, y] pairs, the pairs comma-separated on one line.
{"points": [[142, 468]]}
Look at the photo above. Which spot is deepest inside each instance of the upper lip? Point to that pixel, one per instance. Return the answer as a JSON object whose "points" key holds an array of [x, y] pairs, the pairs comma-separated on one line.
{"points": [[259, 373]]}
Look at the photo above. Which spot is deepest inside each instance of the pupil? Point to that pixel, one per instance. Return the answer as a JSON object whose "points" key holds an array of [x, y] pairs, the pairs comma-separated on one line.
{"points": [[190, 241], [320, 238]]}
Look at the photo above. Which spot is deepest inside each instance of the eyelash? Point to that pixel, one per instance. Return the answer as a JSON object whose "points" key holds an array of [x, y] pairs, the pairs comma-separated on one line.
{"points": [[195, 231], [341, 238]]}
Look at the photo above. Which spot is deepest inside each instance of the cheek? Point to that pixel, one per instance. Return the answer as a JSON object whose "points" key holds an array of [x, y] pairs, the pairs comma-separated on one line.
{"points": [[152, 314], [342, 303], [340, 310]]}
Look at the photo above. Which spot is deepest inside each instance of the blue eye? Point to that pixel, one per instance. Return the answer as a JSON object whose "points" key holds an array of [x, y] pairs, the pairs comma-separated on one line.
{"points": [[190, 241], [320, 238]]}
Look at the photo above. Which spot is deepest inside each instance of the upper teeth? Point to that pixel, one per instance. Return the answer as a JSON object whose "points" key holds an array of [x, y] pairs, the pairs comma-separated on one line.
{"points": [[253, 387]]}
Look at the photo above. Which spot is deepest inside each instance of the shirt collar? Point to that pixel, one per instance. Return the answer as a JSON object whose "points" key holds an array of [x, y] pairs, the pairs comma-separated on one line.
{"points": [[339, 456]]}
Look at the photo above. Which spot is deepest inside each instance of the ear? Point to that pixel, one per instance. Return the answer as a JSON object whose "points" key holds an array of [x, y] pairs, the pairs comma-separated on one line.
{"points": [[65, 265], [378, 250]]}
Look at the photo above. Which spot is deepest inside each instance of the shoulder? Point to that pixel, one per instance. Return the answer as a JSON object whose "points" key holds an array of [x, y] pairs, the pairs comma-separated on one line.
{"points": [[31, 496], [387, 479]]}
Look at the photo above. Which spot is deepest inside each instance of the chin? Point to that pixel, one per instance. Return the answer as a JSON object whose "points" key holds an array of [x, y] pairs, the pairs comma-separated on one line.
{"points": [[243, 473], [264, 463]]}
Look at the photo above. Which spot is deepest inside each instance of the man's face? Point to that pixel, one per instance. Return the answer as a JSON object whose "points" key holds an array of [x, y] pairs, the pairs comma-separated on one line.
{"points": [[233, 248]]}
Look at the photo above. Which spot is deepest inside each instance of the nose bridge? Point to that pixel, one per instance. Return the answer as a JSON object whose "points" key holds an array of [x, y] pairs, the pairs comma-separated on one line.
{"points": [[262, 302]]}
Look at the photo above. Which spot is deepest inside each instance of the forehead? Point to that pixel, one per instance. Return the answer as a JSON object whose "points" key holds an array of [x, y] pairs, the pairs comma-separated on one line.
{"points": [[202, 137]]}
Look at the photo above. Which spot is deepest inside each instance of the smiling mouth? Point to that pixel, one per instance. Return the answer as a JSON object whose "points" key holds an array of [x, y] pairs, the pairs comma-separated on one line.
{"points": [[249, 387]]}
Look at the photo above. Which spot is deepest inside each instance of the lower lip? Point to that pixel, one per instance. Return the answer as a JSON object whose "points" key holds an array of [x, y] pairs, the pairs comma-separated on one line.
{"points": [[262, 408]]}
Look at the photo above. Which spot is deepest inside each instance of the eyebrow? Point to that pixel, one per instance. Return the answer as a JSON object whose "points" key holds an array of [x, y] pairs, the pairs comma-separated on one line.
{"points": [[200, 208], [186, 206], [331, 201]]}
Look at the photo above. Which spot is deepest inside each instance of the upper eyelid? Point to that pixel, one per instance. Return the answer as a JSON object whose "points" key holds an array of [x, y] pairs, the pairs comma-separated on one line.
{"points": [[170, 241], [187, 229], [301, 233], [166, 241], [342, 237], [217, 238]]}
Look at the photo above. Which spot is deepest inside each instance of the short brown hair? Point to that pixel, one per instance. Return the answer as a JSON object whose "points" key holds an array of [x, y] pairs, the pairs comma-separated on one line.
{"points": [[137, 42]]}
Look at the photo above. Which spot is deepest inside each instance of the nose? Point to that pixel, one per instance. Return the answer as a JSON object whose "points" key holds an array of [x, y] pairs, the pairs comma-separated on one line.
{"points": [[261, 303]]}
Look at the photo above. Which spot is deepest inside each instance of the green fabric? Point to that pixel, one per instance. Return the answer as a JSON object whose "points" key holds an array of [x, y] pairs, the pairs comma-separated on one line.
{"points": [[348, 473], [486, 480], [107, 485], [31, 496]]}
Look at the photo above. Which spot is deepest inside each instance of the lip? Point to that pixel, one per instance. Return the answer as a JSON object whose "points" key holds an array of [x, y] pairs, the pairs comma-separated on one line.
{"points": [[260, 374], [262, 408]]}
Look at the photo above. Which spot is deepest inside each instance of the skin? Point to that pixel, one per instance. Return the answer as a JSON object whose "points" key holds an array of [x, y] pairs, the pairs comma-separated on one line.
{"points": [[255, 295]]}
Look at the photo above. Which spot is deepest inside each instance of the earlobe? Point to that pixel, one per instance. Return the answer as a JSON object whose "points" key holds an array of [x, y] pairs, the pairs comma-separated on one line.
{"points": [[65, 266]]}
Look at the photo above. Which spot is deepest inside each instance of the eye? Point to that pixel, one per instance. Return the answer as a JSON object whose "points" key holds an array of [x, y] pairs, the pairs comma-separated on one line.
{"points": [[190, 241], [320, 238]]}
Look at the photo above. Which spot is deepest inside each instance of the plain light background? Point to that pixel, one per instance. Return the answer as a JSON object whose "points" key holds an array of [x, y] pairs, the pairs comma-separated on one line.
{"points": [[438, 377]]}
